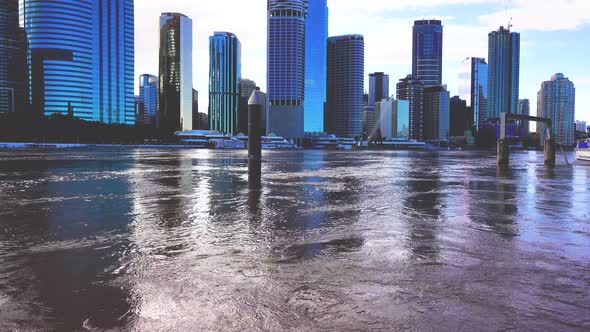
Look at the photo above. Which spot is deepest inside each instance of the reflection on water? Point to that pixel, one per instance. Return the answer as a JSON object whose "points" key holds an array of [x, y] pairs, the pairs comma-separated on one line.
{"points": [[176, 240]]}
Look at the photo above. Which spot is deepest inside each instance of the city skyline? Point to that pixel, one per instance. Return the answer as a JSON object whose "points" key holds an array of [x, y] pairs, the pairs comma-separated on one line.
{"points": [[466, 23]]}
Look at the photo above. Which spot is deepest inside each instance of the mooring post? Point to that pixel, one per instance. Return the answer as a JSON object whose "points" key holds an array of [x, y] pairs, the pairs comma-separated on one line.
{"points": [[503, 152], [550, 152], [255, 139]]}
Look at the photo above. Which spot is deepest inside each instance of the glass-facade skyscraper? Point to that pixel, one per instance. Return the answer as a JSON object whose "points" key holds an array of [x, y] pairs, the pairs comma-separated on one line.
{"points": [[176, 73], [503, 72], [473, 88], [286, 67], [345, 85], [427, 51], [225, 72], [148, 100], [316, 37], [13, 64], [437, 113], [88, 66], [378, 88], [412, 90], [557, 101]]}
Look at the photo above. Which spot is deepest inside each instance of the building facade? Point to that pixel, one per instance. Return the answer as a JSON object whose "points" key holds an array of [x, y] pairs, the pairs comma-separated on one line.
{"points": [[581, 126], [345, 85], [286, 66], [225, 72], [412, 90], [392, 118], [147, 104], [437, 113], [316, 37], [460, 118], [557, 101], [88, 67], [176, 73], [524, 108], [378, 88], [503, 73], [473, 88], [13, 60], [427, 51]]}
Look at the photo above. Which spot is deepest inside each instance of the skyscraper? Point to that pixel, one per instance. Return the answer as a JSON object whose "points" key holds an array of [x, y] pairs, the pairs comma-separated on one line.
{"points": [[13, 64], [316, 36], [225, 72], [436, 113], [504, 72], [176, 76], [286, 66], [459, 117], [392, 118], [87, 67], [557, 101], [148, 100], [378, 88], [525, 109], [412, 90], [345, 85], [473, 88], [427, 51]]}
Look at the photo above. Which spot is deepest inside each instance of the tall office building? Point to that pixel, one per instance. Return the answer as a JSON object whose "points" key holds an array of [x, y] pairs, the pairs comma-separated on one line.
{"points": [[345, 85], [427, 51], [557, 101], [503, 72], [460, 117], [86, 68], [225, 72], [147, 105], [437, 113], [176, 73], [316, 37], [13, 64], [412, 90], [286, 66], [196, 124], [525, 109], [392, 118], [378, 88], [473, 88]]}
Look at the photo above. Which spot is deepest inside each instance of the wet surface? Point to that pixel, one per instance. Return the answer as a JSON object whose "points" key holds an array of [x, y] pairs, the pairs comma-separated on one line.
{"points": [[174, 240]]}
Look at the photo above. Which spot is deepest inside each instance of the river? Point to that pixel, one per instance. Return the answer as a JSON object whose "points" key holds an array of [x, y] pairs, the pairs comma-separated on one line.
{"points": [[173, 240]]}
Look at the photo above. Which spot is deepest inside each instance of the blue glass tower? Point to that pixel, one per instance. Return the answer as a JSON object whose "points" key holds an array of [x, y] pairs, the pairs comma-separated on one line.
{"points": [[504, 72], [473, 88], [13, 65], [427, 52], [286, 67], [316, 38], [148, 100], [225, 72], [345, 88], [81, 56]]}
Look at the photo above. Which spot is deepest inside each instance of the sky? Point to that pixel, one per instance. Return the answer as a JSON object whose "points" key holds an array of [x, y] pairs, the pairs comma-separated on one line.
{"points": [[555, 37]]}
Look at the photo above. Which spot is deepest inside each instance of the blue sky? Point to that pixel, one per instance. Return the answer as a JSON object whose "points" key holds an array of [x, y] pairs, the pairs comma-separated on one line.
{"points": [[555, 37]]}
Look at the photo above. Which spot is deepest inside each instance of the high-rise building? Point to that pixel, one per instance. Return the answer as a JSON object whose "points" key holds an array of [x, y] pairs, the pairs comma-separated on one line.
{"points": [[86, 68], [286, 66], [525, 109], [13, 60], [473, 88], [225, 72], [196, 113], [392, 118], [176, 73], [412, 90], [581, 126], [147, 107], [437, 113], [460, 119], [378, 88], [557, 101], [503, 73], [345, 85], [427, 52], [316, 37], [247, 87], [369, 122]]}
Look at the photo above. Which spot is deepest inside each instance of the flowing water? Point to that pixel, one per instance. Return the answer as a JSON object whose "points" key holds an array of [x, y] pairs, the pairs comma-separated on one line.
{"points": [[145, 240]]}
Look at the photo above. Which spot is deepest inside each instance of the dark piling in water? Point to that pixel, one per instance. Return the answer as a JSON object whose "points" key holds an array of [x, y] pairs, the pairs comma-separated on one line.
{"points": [[255, 140]]}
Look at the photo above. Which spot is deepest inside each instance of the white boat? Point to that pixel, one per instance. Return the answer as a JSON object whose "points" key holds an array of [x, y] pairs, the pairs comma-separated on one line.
{"points": [[583, 150]]}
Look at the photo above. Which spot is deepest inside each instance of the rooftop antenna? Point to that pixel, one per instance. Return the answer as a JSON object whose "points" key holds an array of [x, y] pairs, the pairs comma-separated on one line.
{"points": [[508, 10]]}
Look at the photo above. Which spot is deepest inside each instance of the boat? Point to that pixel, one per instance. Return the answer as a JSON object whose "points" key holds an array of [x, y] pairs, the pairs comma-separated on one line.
{"points": [[583, 150]]}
